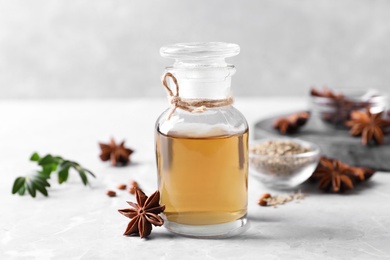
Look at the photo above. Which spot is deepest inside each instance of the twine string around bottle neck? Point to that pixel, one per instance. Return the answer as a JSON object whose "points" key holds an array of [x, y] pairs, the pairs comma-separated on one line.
{"points": [[190, 105]]}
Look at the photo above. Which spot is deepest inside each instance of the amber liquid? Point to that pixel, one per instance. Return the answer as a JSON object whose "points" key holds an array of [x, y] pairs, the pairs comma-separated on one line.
{"points": [[203, 181]]}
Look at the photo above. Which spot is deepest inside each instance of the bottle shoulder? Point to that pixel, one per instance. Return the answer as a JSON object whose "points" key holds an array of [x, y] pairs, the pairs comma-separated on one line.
{"points": [[211, 122]]}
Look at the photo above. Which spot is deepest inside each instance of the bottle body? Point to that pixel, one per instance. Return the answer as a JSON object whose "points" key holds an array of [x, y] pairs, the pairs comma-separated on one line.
{"points": [[202, 163]]}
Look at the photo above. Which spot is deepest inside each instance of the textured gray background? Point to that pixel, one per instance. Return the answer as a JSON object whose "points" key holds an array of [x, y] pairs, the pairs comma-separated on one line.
{"points": [[99, 48]]}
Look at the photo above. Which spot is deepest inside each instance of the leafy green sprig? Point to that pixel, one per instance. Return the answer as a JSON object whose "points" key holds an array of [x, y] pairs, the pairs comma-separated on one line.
{"points": [[49, 164]]}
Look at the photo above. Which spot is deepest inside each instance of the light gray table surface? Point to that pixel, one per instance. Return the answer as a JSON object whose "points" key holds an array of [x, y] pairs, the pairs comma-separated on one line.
{"points": [[77, 222]]}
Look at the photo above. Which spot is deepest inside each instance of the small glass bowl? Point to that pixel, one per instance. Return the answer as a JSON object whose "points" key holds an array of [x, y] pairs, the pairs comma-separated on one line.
{"points": [[284, 171], [336, 112]]}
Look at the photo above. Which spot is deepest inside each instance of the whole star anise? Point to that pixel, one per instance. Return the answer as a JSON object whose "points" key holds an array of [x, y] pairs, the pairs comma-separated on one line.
{"points": [[333, 175], [143, 214], [291, 123], [371, 127], [117, 154]]}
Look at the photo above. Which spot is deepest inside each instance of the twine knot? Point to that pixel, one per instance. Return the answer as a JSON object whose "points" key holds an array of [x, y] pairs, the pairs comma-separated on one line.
{"points": [[174, 100], [190, 105]]}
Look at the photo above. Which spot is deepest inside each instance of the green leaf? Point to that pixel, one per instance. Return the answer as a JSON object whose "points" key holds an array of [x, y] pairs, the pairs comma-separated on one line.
{"points": [[22, 190], [41, 180], [31, 184], [93, 175], [63, 175], [50, 167], [83, 176], [48, 159], [40, 188], [31, 188], [18, 184], [58, 159], [63, 171], [64, 164], [45, 172], [74, 165], [35, 157]]}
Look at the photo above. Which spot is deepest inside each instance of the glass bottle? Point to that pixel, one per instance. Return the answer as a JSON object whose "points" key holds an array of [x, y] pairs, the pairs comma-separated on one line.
{"points": [[202, 155]]}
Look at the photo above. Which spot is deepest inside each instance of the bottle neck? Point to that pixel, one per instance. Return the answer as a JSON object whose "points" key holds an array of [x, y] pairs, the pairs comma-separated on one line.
{"points": [[202, 89], [203, 83]]}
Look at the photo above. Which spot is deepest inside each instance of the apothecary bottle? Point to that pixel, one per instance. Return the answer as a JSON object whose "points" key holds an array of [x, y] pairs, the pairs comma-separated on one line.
{"points": [[202, 144]]}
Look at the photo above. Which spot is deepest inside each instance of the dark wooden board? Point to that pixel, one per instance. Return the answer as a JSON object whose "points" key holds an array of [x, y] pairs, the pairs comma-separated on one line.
{"points": [[334, 143]]}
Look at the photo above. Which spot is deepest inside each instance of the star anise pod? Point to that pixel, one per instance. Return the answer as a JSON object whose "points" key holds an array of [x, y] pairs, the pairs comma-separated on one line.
{"points": [[326, 92], [300, 118], [371, 127], [143, 214], [333, 175], [284, 126], [117, 154], [362, 173], [291, 123], [134, 187]]}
